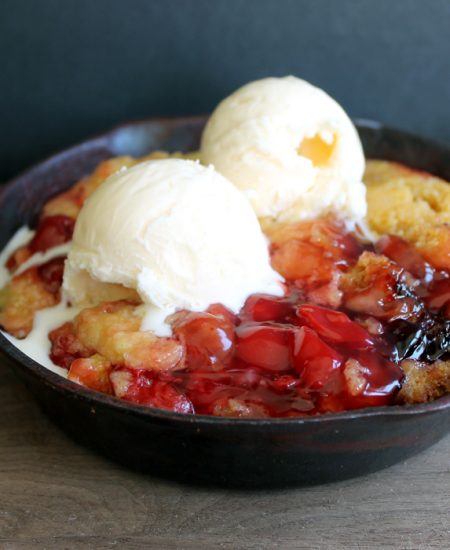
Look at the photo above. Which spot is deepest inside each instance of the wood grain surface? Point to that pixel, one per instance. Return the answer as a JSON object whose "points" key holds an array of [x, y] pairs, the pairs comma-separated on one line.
{"points": [[57, 495]]}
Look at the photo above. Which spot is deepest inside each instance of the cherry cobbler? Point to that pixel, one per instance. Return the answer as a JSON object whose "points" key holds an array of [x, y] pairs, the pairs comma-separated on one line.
{"points": [[362, 322]]}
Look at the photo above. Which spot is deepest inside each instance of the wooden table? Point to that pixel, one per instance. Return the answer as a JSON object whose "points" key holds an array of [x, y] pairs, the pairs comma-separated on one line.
{"points": [[55, 494]]}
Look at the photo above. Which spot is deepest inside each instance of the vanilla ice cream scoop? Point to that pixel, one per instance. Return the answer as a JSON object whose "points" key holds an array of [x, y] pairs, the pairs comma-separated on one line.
{"points": [[290, 148], [174, 233]]}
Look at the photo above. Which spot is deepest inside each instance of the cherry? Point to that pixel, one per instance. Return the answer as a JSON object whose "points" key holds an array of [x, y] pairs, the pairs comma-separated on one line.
{"points": [[246, 376], [65, 347], [314, 360], [265, 345], [51, 274], [335, 326], [313, 251], [285, 383], [438, 295], [333, 236], [164, 396], [92, 372], [52, 231], [144, 388], [264, 307], [208, 338], [293, 355], [238, 407], [219, 310], [302, 260], [405, 255], [381, 380]]}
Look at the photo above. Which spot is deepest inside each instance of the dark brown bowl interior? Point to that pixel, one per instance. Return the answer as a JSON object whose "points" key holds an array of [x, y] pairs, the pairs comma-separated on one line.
{"points": [[199, 449]]}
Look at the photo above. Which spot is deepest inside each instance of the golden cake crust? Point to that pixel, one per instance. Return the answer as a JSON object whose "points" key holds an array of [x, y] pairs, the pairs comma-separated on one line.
{"points": [[411, 204]]}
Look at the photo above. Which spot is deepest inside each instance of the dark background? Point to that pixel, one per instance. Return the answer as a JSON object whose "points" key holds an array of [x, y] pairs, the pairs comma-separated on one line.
{"points": [[71, 68]]}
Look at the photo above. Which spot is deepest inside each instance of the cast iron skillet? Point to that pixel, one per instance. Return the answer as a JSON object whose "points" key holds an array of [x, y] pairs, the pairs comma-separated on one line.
{"points": [[200, 449]]}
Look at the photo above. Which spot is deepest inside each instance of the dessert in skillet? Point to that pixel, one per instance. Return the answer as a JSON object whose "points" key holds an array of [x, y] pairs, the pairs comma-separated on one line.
{"points": [[266, 280]]}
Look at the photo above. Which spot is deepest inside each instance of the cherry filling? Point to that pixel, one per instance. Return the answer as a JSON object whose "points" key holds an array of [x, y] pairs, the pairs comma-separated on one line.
{"points": [[51, 231], [333, 342]]}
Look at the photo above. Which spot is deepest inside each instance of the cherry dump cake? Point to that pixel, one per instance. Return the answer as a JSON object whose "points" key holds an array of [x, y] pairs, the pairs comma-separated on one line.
{"points": [[290, 289]]}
